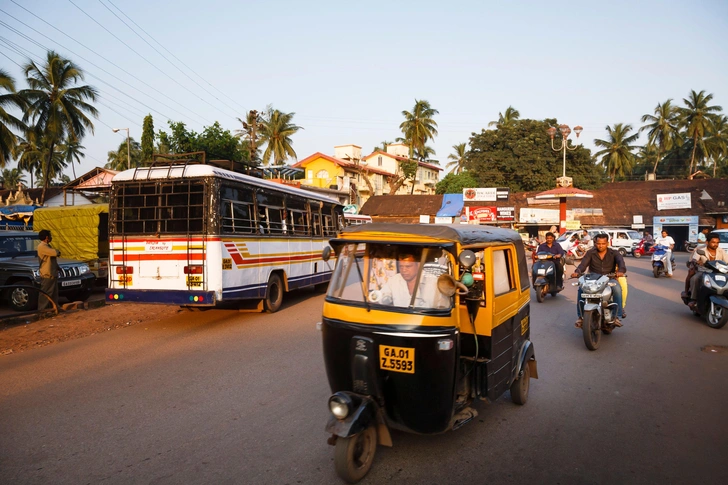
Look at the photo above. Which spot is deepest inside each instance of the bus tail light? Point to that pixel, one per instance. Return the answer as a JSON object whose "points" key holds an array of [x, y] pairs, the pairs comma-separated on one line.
{"points": [[124, 270], [193, 269]]}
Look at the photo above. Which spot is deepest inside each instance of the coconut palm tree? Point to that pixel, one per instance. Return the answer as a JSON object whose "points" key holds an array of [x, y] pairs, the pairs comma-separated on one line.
{"points": [[716, 144], [72, 153], [118, 159], [30, 152], [276, 134], [696, 118], [57, 105], [458, 158], [662, 129], [419, 126], [617, 151], [11, 177], [252, 127], [425, 154], [507, 119], [10, 99]]}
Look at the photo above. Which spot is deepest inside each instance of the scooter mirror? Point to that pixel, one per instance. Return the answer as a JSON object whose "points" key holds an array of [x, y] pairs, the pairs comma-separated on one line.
{"points": [[700, 252]]}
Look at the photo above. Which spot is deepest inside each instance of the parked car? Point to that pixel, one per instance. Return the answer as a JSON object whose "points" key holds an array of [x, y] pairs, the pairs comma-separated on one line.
{"points": [[623, 240], [19, 267]]}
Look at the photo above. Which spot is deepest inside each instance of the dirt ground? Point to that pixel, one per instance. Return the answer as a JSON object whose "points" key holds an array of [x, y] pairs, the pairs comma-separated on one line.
{"points": [[18, 336]]}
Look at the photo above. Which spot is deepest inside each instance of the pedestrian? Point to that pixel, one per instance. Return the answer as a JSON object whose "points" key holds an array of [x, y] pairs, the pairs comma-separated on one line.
{"points": [[48, 269]]}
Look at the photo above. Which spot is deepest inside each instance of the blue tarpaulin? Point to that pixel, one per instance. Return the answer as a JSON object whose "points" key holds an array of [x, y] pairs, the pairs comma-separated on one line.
{"points": [[452, 205]]}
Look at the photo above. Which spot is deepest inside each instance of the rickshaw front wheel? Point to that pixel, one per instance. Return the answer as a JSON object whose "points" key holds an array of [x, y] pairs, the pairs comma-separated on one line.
{"points": [[354, 455], [519, 388]]}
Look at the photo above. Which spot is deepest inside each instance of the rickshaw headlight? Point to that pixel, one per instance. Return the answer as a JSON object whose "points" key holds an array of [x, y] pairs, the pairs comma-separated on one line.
{"points": [[340, 405]]}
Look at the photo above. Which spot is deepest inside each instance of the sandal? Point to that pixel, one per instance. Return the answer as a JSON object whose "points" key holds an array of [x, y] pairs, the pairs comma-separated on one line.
{"points": [[624, 313], [579, 322]]}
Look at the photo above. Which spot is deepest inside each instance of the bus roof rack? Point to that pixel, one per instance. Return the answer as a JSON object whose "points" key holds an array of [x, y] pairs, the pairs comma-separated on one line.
{"points": [[171, 160]]}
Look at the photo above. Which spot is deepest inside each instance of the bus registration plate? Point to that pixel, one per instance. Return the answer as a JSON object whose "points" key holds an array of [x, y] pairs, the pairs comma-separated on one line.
{"points": [[397, 359]]}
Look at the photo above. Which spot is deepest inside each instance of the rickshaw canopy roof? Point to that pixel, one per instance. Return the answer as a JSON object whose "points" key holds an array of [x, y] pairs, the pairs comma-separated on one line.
{"points": [[465, 234]]}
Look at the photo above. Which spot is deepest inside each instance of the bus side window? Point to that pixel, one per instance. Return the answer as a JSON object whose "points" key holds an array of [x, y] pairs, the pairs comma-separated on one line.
{"points": [[317, 225]]}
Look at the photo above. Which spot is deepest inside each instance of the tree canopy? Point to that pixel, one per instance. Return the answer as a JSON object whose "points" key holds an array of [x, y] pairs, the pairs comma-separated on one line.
{"points": [[519, 156]]}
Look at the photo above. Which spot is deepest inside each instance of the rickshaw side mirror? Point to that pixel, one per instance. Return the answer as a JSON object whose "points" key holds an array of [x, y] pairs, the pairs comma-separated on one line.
{"points": [[326, 253], [467, 259], [448, 286]]}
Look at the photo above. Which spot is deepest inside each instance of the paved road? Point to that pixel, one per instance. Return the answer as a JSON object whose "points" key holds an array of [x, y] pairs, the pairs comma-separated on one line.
{"points": [[224, 397]]}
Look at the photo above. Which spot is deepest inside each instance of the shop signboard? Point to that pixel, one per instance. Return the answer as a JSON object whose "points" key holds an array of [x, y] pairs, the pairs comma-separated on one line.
{"points": [[673, 201], [506, 214], [424, 219], [482, 214], [531, 215], [480, 194], [690, 221]]}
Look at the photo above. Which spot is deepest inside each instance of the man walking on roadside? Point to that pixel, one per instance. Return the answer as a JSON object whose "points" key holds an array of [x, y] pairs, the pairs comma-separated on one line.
{"points": [[48, 269]]}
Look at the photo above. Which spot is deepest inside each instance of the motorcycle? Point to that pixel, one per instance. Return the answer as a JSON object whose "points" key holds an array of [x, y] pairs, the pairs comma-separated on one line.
{"points": [[712, 301], [690, 246], [597, 307], [544, 275], [574, 253], [532, 244], [643, 249], [659, 261]]}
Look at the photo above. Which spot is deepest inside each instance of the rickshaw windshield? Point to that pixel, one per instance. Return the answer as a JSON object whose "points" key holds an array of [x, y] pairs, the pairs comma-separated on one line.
{"points": [[400, 276]]}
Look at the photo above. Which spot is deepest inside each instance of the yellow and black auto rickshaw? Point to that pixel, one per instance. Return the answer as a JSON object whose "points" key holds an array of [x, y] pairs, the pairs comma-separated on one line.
{"points": [[419, 322]]}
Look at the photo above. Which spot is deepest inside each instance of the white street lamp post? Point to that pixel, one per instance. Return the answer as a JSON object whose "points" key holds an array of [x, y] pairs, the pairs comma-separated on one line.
{"points": [[128, 149], [565, 132]]}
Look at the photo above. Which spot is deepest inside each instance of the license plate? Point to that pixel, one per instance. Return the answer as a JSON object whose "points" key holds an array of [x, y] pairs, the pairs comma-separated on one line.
{"points": [[541, 271], [71, 283], [397, 359], [719, 277]]}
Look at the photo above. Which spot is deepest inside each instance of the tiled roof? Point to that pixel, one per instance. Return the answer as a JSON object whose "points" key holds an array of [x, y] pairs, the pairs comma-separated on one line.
{"points": [[406, 206]]}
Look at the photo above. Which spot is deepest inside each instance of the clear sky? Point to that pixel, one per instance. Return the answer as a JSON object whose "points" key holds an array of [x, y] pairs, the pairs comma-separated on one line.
{"points": [[348, 69]]}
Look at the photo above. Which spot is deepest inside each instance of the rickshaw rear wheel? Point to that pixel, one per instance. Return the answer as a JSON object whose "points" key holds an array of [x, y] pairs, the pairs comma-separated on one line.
{"points": [[274, 294], [591, 327], [353, 456], [519, 388]]}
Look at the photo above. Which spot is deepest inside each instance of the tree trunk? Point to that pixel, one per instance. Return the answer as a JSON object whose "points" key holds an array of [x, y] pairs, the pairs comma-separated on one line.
{"points": [[46, 170], [692, 157], [657, 160]]}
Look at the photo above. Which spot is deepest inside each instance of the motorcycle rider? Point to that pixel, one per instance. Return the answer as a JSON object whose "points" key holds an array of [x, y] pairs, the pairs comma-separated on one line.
{"points": [[713, 252], [648, 241], [602, 260], [551, 247], [668, 242]]}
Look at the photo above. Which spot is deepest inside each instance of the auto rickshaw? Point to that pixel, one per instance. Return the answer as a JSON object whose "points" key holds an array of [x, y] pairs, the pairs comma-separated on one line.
{"points": [[419, 322]]}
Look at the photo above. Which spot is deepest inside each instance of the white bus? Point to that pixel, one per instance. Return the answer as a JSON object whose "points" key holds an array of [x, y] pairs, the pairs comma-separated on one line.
{"points": [[356, 219], [196, 235]]}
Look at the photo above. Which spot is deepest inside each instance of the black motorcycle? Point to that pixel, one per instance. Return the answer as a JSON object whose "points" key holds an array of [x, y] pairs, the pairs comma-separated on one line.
{"points": [[544, 275], [712, 301]]}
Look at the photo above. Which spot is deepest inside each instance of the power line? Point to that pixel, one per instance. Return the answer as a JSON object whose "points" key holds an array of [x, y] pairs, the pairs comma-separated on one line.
{"points": [[97, 66], [157, 51], [145, 59], [177, 58]]}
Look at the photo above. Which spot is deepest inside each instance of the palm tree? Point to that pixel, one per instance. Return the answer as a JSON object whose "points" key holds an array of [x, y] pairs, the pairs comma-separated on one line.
{"points": [[716, 144], [11, 178], [8, 139], [424, 154], [458, 158], [30, 153], [696, 118], [276, 134], [662, 129], [617, 154], [419, 126], [71, 152], [507, 119], [57, 105], [251, 132], [118, 159]]}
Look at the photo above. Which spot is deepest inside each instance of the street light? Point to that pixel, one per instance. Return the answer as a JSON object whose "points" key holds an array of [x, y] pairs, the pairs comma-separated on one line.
{"points": [[128, 150], [565, 132]]}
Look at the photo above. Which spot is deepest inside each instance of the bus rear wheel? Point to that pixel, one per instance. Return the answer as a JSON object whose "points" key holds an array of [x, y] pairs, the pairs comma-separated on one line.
{"points": [[274, 294]]}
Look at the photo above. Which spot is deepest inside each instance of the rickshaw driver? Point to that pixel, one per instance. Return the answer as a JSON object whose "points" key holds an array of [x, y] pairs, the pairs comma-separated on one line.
{"points": [[398, 290]]}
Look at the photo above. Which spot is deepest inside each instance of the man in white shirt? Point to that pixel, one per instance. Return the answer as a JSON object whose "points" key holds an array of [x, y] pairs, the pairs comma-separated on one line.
{"points": [[712, 253], [668, 242], [398, 289]]}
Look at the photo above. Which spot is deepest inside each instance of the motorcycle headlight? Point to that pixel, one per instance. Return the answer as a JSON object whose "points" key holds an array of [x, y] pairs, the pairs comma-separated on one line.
{"points": [[340, 405], [706, 281]]}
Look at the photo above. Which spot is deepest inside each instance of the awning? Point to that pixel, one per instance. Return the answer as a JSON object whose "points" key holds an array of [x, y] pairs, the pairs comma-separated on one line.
{"points": [[452, 205]]}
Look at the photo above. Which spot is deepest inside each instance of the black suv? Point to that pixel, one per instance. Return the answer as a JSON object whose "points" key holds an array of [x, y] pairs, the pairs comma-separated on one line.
{"points": [[19, 266]]}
